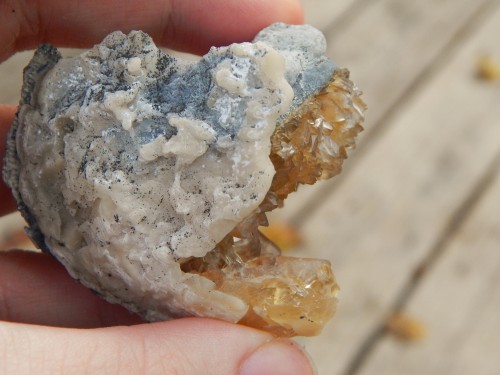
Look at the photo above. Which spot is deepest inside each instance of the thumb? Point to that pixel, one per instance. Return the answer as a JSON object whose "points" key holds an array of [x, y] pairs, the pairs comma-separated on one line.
{"points": [[183, 347], [7, 113]]}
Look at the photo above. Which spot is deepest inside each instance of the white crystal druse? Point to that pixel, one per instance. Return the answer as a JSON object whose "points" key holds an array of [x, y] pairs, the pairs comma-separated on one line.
{"points": [[125, 160]]}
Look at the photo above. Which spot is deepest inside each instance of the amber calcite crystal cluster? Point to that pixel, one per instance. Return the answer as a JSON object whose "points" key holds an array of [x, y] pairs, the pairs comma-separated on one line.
{"points": [[148, 177], [289, 296]]}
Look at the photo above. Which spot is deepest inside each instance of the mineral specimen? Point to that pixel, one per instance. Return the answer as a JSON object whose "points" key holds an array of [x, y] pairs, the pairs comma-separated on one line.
{"points": [[148, 177]]}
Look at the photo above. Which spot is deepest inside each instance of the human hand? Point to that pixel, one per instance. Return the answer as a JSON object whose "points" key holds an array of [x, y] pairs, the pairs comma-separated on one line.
{"points": [[42, 310]]}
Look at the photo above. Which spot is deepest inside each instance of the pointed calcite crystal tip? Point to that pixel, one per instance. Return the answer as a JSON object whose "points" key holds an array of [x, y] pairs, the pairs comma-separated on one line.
{"points": [[148, 177]]}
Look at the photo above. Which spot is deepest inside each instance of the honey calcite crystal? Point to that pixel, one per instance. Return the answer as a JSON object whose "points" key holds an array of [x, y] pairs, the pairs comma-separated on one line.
{"points": [[148, 176]]}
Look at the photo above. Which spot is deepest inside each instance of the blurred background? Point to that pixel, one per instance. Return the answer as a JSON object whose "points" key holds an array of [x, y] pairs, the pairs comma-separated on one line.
{"points": [[412, 226]]}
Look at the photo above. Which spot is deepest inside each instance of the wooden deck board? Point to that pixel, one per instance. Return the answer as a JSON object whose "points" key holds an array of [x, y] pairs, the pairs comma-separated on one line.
{"points": [[11, 77], [459, 301], [322, 14], [391, 42], [399, 197]]}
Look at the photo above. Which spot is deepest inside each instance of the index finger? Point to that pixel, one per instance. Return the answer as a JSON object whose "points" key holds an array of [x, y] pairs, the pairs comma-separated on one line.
{"points": [[188, 25], [7, 113]]}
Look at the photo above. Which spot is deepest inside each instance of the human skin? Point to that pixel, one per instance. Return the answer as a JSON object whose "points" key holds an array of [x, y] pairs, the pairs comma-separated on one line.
{"points": [[49, 324]]}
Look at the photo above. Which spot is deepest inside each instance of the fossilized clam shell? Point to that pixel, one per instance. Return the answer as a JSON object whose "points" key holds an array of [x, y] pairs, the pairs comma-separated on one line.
{"points": [[147, 176]]}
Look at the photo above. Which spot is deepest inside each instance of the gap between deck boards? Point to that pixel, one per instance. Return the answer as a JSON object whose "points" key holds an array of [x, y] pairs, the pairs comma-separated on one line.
{"points": [[467, 28], [426, 265]]}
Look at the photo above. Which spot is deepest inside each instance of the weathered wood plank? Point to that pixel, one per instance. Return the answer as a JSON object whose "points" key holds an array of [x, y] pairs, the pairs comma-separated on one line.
{"points": [[479, 352], [387, 47], [393, 206], [459, 300], [11, 77], [391, 43]]}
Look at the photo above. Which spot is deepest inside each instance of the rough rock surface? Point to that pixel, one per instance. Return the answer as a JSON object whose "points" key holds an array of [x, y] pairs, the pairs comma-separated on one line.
{"points": [[125, 161]]}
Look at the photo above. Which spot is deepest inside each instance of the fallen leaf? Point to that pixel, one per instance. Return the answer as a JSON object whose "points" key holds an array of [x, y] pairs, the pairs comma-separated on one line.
{"points": [[405, 327], [488, 68]]}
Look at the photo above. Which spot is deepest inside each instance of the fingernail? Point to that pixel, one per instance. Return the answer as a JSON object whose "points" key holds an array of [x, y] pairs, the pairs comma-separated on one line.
{"points": [[280, 357]]}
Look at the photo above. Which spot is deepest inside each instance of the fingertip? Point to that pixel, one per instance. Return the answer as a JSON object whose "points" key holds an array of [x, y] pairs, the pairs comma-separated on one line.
{"points": [[7, 113], [287, 11], [229, 22], [202, 345], [245, 350], [295, 12], [278, 357]]}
